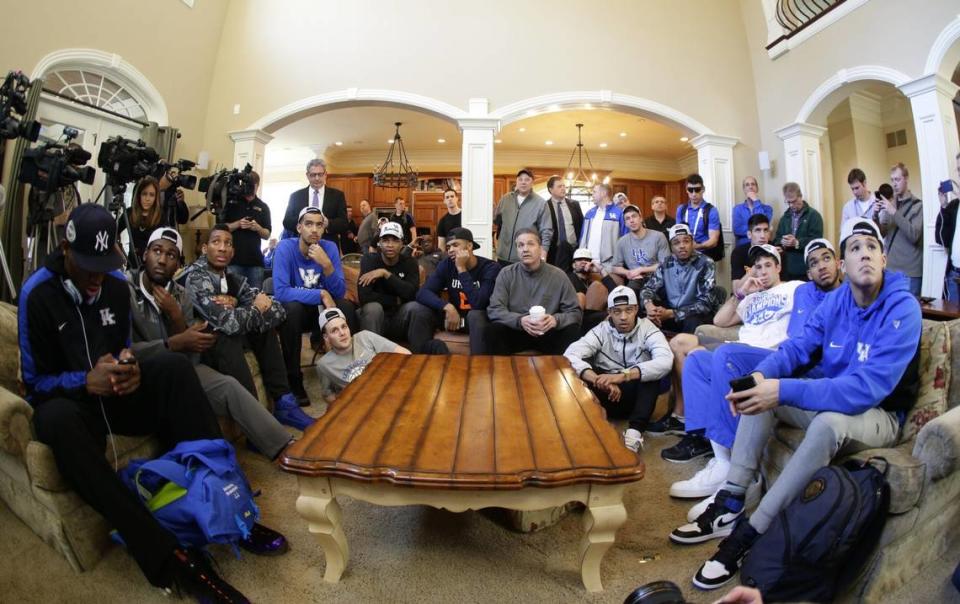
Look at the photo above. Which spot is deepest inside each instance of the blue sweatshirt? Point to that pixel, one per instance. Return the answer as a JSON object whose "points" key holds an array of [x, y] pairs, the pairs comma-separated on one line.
{"points": [[869, 357], [297, 278], [806, 299], [466, 291]]}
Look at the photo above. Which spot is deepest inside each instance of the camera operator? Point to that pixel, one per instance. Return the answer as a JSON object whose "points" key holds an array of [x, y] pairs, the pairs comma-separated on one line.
{"points": [[249, 221], [142, 218], [174, 206]]}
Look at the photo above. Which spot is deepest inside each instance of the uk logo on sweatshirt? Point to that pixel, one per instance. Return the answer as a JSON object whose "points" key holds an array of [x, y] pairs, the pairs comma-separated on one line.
{"points": [[863, 352], [310, 278]]}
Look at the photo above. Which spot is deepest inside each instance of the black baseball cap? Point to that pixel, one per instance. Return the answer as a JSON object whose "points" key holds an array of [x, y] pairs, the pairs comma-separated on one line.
{"points": [[525, 171], [463, 234], [91, 235]]}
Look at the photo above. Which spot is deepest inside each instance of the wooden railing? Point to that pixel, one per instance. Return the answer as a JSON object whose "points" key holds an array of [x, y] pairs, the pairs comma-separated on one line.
{"points": [[796, 15]]}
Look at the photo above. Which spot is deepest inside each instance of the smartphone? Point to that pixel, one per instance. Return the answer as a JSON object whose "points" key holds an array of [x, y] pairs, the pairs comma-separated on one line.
{"points": [[946, 187], [743, 383], [127, 361]]}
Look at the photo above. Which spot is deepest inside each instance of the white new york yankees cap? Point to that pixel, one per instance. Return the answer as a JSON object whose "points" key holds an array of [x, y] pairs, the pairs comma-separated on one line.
{"points": [[91, 235]]}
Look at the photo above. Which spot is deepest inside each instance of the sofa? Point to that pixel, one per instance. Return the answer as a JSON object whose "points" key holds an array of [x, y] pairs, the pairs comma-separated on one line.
{"points": [[924, 468], [29, 481]]}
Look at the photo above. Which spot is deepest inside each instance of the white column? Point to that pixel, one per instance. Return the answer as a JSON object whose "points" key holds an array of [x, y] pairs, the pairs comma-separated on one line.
{"points": [[803, 161], [715, 165], [937, 145], [248, 148], [477, 175]]}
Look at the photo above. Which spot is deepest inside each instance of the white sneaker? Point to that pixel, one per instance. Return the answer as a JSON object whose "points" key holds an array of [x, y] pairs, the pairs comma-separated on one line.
{"points": [[633, 439], [704, 483], [753, 498]]}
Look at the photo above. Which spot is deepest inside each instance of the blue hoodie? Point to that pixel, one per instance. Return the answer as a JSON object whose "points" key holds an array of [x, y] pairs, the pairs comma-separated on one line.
{"points": [[300, 279], [806, 299], [869, 357]]}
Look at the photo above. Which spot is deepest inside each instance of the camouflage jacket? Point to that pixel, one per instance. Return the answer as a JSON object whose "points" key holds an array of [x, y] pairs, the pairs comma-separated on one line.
{"points": [[203, 285]]}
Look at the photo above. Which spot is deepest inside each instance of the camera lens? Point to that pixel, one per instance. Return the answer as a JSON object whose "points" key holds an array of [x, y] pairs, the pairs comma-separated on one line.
{"points": [[656, 592]]}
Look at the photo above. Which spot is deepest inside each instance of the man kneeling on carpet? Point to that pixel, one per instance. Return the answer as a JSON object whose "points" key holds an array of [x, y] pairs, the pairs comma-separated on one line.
{"points": [[867, 335], [348, 355], [622, 360]]}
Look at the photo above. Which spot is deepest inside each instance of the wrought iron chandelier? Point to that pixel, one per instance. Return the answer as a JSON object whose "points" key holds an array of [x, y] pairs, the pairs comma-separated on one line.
{"points": [[396, 171], [579, 184]]}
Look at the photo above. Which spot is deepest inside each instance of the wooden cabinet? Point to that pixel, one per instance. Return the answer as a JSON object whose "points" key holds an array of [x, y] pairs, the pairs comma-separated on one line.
{"points": [[428, 208], [355, 188]]}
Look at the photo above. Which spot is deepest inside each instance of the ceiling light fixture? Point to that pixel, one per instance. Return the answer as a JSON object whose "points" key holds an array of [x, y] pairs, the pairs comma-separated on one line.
{"points": [[395, 172], [684, 139], [603, 145], [498, 140], [547, 142], [579, 186], [338, 143], [623, 135], [441, 140], [522, 130]]}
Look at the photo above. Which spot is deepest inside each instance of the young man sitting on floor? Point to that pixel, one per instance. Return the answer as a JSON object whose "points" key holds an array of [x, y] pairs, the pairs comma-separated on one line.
{"points": [[867, 336], [591, 294], [347, 355], [622, 360]]}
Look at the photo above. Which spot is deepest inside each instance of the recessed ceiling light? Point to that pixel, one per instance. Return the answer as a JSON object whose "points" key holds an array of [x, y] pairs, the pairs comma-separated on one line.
{"points": [[532, 112], [554, 107], [603, 145], [522, 130], [547, 142], [389, 141], [441, 140], [498, 140], [338, 143], [623, 135], [684, 139], [587, 106]]}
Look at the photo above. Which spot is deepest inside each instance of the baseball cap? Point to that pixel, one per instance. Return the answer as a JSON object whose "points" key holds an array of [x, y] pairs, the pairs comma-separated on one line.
{"points": [[621, 295], [91, 235], [678, 229], [169, 234], [329, 314], [630, 208], [309, 210], [525, 171], [859, 226], [464, 234], [817, 244], [393, 229], [583, 254], [756, 250], [619, 196]]}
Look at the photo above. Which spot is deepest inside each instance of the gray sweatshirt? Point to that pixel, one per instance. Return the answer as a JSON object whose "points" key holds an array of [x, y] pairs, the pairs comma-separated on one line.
{"points": [[517, 289], [904, 236], [606, 350]]}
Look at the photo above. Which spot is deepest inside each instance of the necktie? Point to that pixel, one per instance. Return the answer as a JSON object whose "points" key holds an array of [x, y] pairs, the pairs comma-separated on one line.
{"points": [[561, 225], [316, 199]]}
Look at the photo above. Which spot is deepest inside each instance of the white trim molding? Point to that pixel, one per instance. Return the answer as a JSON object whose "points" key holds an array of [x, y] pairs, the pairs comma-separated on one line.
{"points": [[356, 96], [803, 160], [941, 46], [844, 77], [585, 99], [114, 66], [249, 147]]}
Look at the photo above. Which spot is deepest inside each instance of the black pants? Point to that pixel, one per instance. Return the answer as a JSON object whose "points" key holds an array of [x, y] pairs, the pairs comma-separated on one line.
{"points": [[169, 403], [689, 324], [300, 318], [227, 358], [506, 340], [636, 404]]}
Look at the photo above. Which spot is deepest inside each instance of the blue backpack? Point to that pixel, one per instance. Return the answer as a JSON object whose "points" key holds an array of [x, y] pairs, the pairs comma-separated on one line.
{"points": [[819, 543], [197, 492]]}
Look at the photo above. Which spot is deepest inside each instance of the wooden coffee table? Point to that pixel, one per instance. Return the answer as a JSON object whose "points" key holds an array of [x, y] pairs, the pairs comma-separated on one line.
{"points": [[461, 433]]}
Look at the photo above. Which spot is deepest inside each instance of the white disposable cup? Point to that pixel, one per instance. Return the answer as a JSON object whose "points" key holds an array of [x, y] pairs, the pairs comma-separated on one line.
{"points": [[537, 312]]}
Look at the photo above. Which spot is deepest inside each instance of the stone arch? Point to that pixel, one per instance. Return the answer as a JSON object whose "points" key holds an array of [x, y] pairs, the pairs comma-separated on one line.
{"points": [[114, 66]]}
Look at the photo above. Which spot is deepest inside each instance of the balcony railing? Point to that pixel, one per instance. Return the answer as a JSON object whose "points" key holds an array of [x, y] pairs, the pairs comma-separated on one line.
{"points": [[796, 15]]}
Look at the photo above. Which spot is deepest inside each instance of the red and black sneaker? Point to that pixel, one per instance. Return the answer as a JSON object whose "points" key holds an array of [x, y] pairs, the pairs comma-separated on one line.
{"points": [[194, 574]]}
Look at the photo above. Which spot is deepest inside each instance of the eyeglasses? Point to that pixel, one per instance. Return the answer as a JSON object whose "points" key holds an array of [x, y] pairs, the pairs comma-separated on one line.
{"points": [[694, 189], [316, 174]]}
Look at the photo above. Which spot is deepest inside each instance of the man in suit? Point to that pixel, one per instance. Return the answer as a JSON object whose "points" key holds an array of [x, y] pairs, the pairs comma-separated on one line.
{"points": [[567, 220], [331, 202]]}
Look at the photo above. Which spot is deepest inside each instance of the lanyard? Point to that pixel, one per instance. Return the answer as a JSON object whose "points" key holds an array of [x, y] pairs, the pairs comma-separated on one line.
{"points": [[686, 218]]}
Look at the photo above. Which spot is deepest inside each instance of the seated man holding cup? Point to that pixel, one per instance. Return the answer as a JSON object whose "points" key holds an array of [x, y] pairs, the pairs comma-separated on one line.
{"points": [[533, 305]]}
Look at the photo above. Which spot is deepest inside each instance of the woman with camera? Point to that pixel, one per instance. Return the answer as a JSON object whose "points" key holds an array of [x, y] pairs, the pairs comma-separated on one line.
{"points": [[142, 218]]}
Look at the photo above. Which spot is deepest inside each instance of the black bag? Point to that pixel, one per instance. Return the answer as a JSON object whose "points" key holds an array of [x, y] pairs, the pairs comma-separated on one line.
{"points": [[718, 251], [819, 543]]}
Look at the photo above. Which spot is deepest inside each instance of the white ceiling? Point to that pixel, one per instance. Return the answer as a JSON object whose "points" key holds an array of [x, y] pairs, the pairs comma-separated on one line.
{"points": [[366, 129]]}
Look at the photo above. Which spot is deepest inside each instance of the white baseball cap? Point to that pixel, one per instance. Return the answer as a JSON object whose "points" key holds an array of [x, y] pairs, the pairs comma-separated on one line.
{"points": [[310, 210], [621, 295], [329, 314], [766, 247], [859, 226], [393, 229], [583, 254], [169, 234], [817, 244], [678, 229]]}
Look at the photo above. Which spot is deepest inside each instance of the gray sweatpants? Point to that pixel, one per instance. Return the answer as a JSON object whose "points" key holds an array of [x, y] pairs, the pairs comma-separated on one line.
{"points": [[827, 433], [229, 398]]}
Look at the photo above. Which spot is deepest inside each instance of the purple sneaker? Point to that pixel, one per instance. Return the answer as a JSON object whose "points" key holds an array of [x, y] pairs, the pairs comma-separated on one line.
{"points": [[265, 542], [288, 413]]}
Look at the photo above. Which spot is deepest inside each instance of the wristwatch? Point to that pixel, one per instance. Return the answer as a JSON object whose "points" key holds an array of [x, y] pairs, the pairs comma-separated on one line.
{"points": [[626, 373]]}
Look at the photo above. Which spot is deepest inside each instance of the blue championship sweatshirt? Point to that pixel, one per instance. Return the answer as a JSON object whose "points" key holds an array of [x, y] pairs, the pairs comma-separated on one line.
{"points": [[869, 357], [297, 278]]}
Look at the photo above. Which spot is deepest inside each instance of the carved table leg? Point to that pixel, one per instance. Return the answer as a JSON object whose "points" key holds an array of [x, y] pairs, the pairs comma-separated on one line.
{"points": [[316, 504], [604, 515]]}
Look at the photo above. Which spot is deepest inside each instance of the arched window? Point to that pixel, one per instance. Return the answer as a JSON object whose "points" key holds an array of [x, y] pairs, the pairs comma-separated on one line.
{"points": [[96, 89]]}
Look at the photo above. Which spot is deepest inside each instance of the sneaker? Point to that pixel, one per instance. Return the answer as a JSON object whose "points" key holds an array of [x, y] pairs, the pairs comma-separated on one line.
{"points": [[716, 521], [264, 541], [690, 447], [288, 412], [633, 439], [296, 388], [669, 424], [705, 482], [193, 574], [754, 492], [724, 564]]}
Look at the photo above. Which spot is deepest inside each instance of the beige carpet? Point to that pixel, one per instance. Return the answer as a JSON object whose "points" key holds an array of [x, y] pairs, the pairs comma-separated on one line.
{"points": [[417, 554]]}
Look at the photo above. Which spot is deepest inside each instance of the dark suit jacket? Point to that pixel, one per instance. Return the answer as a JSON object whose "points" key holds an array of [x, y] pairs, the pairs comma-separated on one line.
{"points": [[334, 207], [561, 255]]}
